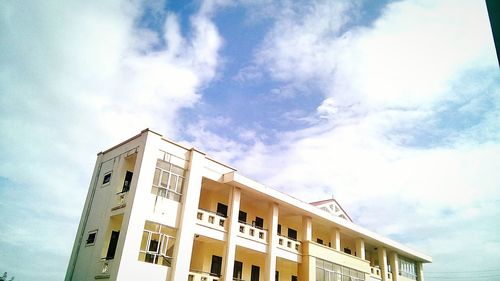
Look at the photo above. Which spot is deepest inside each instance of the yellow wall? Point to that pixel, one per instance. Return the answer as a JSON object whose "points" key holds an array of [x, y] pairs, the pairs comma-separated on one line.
{"points": [[249, 258], [291, 222], [286, 269], [325, 253]]}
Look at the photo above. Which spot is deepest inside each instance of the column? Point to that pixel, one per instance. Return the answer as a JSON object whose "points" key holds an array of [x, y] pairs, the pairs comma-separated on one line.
{"points": [[420, 271], [393, 261], [306, 228], [307, 267], [272, 242], [337, 240], [230, 253], [360, 248], [190, 200], [382, 262]]}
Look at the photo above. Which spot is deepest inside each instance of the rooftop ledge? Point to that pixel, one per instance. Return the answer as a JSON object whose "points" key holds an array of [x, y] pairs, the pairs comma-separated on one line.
{"points": [[238, 180]]}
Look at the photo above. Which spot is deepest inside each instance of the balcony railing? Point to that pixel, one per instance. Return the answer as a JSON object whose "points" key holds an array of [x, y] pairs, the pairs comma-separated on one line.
{"points": [[211, 219], [195, 275], [289, 244], [252, 232], [120, 201], [375, 272]]}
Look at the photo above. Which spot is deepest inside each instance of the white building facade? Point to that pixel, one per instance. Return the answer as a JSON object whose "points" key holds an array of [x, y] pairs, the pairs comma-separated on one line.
{"points": [[158, 211]]}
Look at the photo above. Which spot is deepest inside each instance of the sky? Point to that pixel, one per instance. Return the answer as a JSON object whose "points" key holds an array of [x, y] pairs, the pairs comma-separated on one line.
{"points": [[392, 107]]}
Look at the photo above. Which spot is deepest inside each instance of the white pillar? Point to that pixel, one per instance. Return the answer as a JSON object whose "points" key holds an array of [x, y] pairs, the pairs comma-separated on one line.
{"points": [[228, 260], [272, 242], [335, 238], [382, 262], [306, 228], [190, 200], [420, 271], [393, 261], [360, 248]]}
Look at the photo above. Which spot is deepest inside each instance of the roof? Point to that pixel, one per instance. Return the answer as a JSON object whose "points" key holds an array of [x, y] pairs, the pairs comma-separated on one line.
{"points": [[333, 207]]}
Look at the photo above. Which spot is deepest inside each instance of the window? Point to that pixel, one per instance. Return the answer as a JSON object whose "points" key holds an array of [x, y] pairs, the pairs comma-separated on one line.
{"points": [[157, 245], [113, 243], [238, 270], [347, 251], [294, 278], [328, 271], [319, 241], [168, 180], [242, 217], [91, 238], [279, 229], [292, 233], [222, 210], [215, 268], [127, 181], [259, 222], [255, 273], [407, 268], [107, 178]]}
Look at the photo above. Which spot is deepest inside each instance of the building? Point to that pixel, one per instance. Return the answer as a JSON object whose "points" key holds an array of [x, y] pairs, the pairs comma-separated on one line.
{"points": [[157, 210]]}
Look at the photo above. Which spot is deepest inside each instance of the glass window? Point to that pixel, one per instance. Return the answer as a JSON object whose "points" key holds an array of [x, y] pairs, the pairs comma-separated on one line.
{"points": [[107, 178], [91, 238]]}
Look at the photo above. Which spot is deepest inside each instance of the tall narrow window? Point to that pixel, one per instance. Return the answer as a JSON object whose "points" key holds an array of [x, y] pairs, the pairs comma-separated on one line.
{"points": [[113, 242], [238, 270], [127, 181], [215, 268], [255, 274]]}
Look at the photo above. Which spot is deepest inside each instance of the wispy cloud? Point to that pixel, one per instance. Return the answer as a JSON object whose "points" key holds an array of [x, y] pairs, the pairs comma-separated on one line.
{"points": [[78, 76]]}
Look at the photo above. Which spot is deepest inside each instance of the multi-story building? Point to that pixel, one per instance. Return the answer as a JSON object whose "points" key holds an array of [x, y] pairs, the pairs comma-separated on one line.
{"points": [[157, 210]]}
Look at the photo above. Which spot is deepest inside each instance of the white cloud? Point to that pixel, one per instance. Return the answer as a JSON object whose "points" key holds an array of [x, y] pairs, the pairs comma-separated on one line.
{"points": [[76, 77]]}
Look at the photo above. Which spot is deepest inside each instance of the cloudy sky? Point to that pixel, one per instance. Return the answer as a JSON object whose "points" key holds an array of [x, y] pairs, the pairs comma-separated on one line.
{"points": [[393, 107]]}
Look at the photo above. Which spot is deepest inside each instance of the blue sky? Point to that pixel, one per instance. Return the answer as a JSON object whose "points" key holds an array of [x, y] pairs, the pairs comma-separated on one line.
{"points": [[391, 106]]}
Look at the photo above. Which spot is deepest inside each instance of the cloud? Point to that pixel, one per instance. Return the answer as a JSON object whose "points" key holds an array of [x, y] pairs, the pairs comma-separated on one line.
{"points": [[77, 77], [407, 134]]}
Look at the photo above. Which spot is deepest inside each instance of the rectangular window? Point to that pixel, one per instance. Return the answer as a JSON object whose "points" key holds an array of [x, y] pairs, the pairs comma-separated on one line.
{"points": [[91, 238], [113, 242], [255, 274], [215, 268], [238, 270], [107, 178], [157, 245], [222, 210], [127, 181], [279, 229], [259, 222], [347, 251], [242, 217], [319, 241], [294, 278], [328, 271], [168, 180], [292, 233]]}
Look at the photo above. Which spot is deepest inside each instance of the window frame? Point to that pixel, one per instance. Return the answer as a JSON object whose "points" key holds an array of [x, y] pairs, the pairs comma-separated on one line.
{"points": [[94, 232], [110, 174]]}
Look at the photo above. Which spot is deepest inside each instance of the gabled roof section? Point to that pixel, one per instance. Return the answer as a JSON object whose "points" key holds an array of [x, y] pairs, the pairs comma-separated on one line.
{"points": [[332, 207]]}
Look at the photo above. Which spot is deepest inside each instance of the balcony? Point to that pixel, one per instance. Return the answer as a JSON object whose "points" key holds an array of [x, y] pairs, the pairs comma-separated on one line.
{"points": [[289, 244], [195, 275], [211, 220], [375, 273], [252, 233], [104, 269], [120, 201]]}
